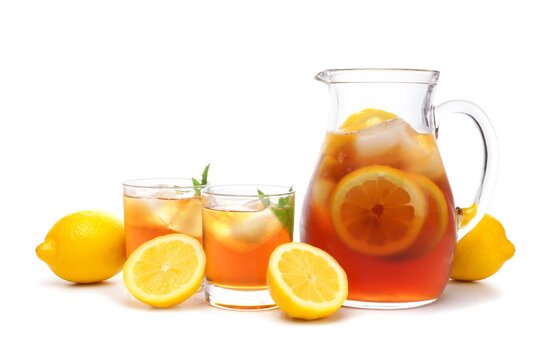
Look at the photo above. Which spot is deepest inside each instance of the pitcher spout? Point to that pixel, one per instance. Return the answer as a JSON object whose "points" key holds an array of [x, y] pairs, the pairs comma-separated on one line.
{"points": [[324, 76]]}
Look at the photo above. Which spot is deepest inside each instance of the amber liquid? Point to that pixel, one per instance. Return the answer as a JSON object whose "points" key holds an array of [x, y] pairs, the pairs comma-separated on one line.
{"points": [[147, 218], [421, 271], [238, 245]]}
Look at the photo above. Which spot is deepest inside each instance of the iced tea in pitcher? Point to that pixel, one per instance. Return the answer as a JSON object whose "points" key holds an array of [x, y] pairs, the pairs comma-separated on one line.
{"points": [[379, 199], [381, 204]]}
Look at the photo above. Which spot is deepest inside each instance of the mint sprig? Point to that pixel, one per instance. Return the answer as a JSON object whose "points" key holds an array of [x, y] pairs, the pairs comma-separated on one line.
{"points": [[204, 180], [284, 210]]}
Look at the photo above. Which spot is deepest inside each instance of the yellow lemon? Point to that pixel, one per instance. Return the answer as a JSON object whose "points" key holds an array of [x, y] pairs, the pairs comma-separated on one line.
{"points": [[84, 247], [306, 282], [166, 270], [365, 118], [482, 252]]}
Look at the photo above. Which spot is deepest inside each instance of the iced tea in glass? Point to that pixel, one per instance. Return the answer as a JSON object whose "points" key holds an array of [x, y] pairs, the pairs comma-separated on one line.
{"points": [[381, 203], [155, 207], [242, 225]]}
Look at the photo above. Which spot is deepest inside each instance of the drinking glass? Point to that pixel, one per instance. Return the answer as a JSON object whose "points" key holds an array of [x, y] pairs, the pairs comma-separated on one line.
{"points": [[155, 207], [242, 225]]}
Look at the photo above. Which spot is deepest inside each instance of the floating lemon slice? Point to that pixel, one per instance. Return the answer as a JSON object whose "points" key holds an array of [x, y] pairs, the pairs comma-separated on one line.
{"points": [[437, 218], [306, 282], [366, 118], [166, 270], [378, 210]]}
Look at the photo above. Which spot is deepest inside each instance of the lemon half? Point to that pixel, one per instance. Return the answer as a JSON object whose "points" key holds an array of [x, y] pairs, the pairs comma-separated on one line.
{"points": [[166, 270], [306, 282]]}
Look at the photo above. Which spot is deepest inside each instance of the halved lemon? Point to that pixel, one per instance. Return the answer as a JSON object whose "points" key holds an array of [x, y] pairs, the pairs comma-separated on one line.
{"points": [[306, 282], [366, 118], [166, 270], [378, 210]]}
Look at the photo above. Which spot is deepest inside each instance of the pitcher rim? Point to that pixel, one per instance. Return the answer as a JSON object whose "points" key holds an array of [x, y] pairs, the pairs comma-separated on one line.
{"points": [[378, 75]]}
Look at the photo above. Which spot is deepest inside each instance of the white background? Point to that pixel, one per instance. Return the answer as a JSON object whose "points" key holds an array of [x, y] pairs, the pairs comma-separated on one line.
{"points": [[95, 92]]}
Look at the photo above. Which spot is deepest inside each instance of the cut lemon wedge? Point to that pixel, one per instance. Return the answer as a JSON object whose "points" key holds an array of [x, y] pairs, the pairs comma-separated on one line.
{"points": [[306, 282], [366, 118], [166, 270], [378, 210]]}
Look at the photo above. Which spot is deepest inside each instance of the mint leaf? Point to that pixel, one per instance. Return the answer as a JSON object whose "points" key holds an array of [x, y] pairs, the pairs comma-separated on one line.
{"points": [[204, 177], [204, 180], [285, 216], [284, 210]]}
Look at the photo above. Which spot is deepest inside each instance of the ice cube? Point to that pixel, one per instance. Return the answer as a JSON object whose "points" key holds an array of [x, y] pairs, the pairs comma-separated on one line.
{"points": [[242, 231], [140, 212], [329, 166], [382, 140], [424, 157], [179, 215], [188, 218], [164, 209], [321, 190], [257, 227]]}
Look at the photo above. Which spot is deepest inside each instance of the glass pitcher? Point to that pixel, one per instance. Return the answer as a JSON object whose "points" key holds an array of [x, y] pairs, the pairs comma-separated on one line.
{"points": [[379, 200]]}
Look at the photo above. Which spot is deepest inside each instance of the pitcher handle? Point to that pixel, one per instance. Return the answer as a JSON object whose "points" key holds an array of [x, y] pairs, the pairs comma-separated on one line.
{"points": [[470, 216]]}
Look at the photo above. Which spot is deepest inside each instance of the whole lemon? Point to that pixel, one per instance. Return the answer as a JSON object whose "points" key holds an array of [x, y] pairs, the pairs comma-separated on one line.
{"points": [[84, 247], [482, 252]]}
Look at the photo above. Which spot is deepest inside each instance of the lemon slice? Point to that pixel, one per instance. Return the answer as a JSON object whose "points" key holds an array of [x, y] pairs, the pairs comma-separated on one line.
{"points": [[166, 270], [306, 282], [378, 210], [437, 219], [366, 118]]}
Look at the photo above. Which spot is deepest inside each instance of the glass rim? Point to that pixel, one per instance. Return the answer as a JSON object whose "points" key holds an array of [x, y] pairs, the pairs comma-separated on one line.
{"points": [[162, 183], [286, 190], [378, 75]]}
